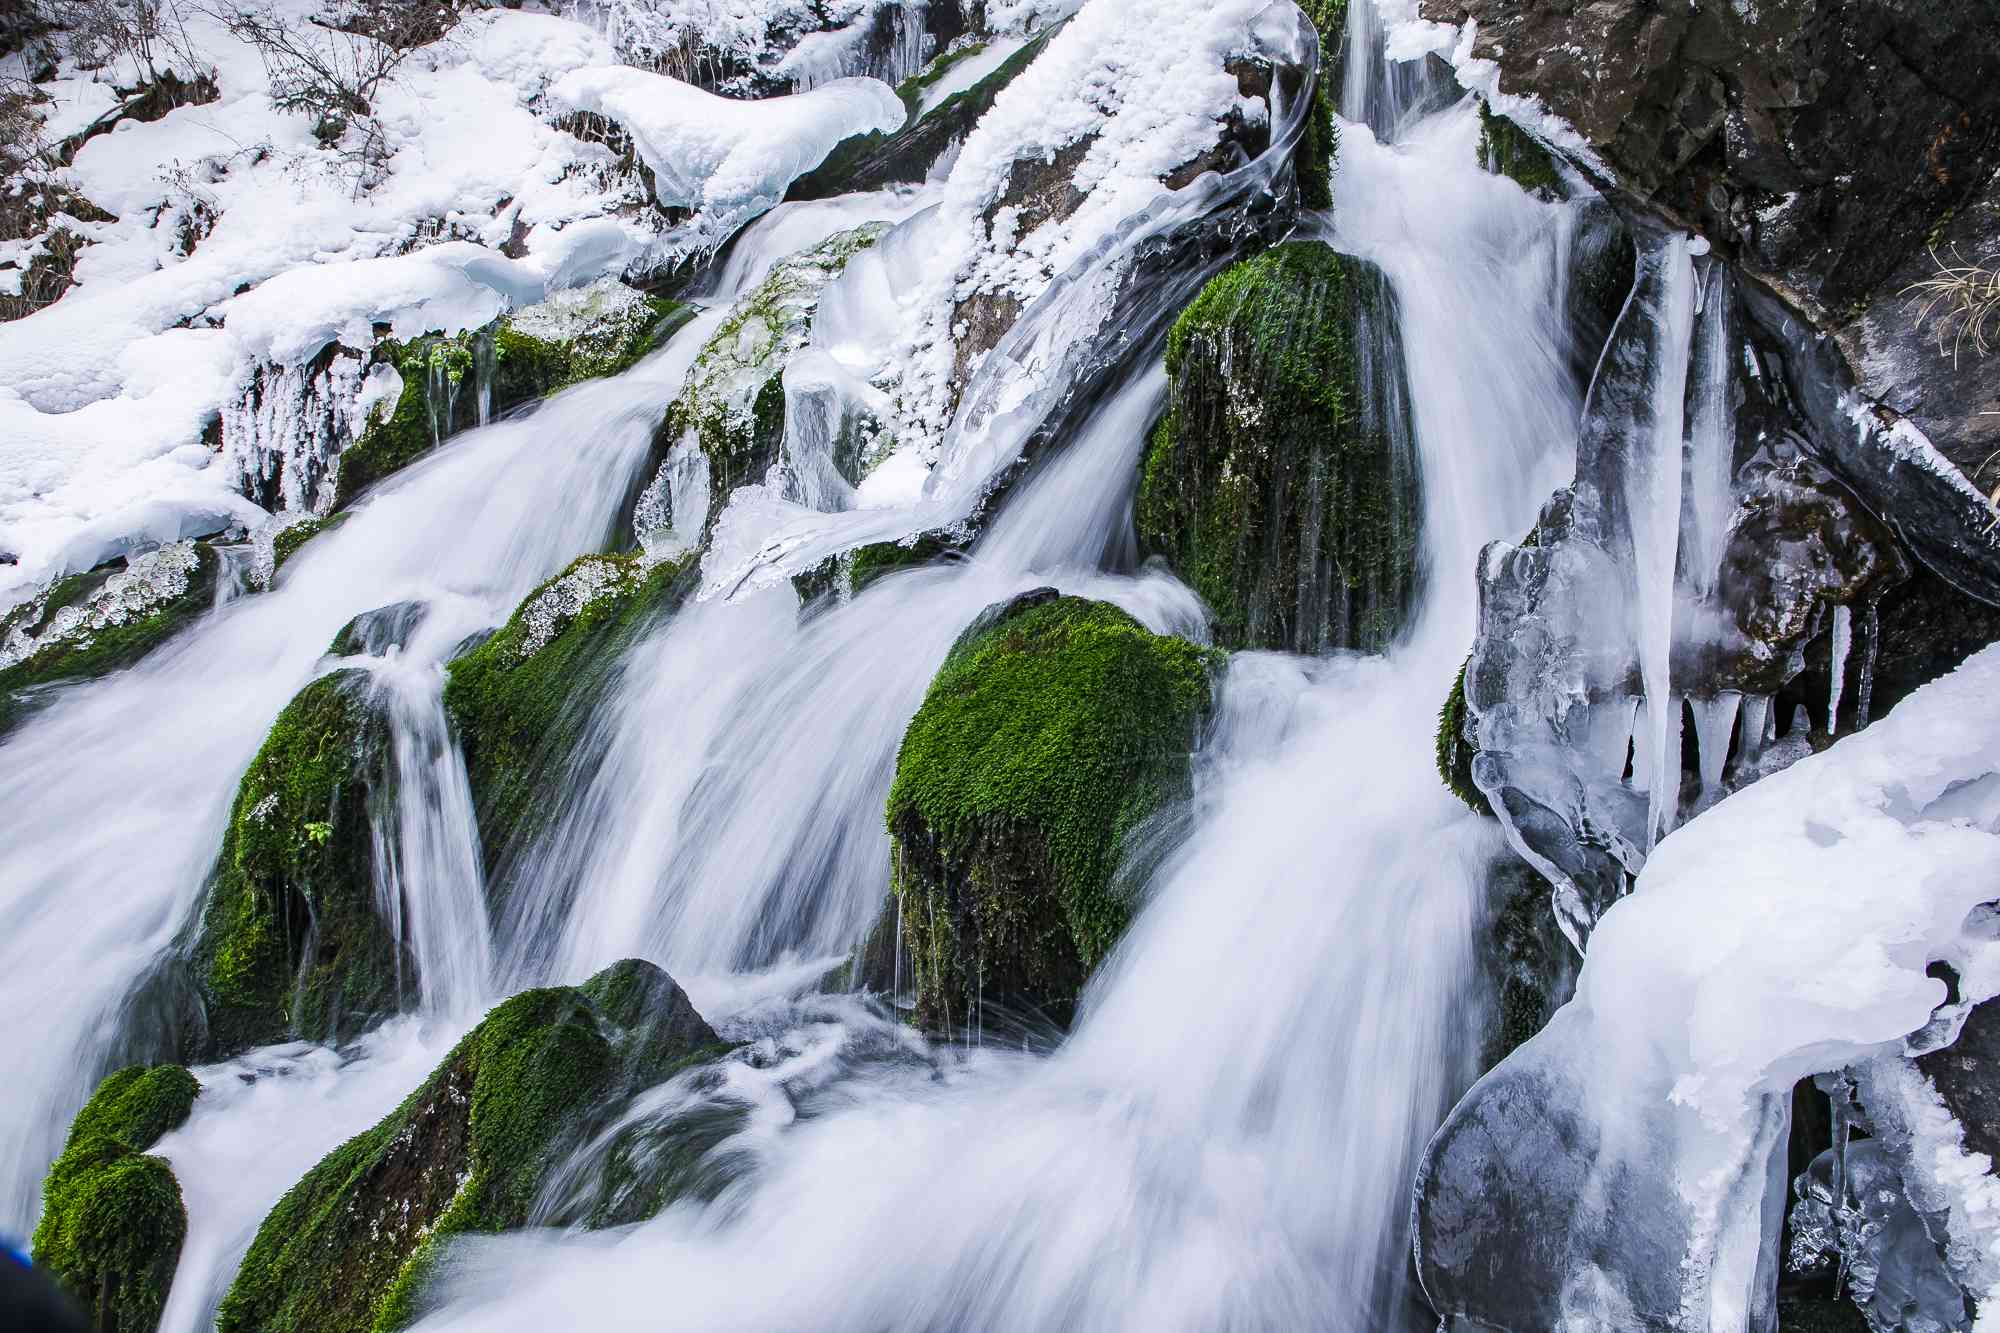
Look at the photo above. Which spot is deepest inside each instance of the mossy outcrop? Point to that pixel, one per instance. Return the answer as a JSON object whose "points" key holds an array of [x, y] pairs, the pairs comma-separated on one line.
{"points": [[574, 336], [290, 941], [734, 401], [1279, 484], [89, 624], [1455, 749], [292, 536], [847, 574], [352, 1244], [520, 699], [1505, 149], [112, 1218], [1321, 141], [1055, 728]]}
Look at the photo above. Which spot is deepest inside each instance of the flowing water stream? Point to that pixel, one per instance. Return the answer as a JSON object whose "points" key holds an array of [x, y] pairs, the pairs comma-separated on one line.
{"points": [[1227, 1136]]}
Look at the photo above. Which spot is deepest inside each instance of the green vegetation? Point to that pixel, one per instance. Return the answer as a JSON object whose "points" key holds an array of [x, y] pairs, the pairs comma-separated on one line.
{"points": [[351, 1245], [289, 941], [87, 625], [1055, 727], [851, 573], [1505, 149], [526, 365], [1274, 485], [112, 1219], [289, 540], [1455, 749], [520, 699], [1320, 142]]}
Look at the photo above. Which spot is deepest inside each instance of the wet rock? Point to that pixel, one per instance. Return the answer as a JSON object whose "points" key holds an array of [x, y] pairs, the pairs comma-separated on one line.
{"points": [[352, 1244], [1054, 730], [1281, 484], [374, 633], [289, 942], [520, 699], [112, 1218]]}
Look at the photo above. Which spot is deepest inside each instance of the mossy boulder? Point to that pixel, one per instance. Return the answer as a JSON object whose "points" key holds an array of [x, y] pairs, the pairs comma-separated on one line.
{"points": [[1055, 728], [352, 1244], [520, 699], [290, 942], [1530, 967], [87, 625], [112, 1218], [574, 336], [1280, 484], [734, 401], [1455, 748], [292, 536]]}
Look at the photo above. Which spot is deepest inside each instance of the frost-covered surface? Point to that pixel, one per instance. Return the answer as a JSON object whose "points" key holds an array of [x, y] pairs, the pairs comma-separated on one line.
{"points": [[563, 600], [727, 161], [1941, 1178], [109, 397], [739, 47], [147, 583], [1784, 932]]}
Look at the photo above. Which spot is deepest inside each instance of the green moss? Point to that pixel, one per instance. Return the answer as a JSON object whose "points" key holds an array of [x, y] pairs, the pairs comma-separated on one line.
{"points": [[848, 574], [520, 700], [1455, 751], [1277, 485], [117, 629], [352, 1244], [112, 1219], [1320, 143], [289, 941], [525, 367], [1054, 728], [1505, 149], [288, 541]]}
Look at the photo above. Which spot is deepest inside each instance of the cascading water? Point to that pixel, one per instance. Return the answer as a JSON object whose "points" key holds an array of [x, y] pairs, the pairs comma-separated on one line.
{"points": [[1252, 1073]]}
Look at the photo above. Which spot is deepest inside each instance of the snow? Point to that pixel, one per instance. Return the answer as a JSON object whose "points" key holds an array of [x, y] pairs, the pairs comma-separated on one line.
{"points": [[727, 160]]}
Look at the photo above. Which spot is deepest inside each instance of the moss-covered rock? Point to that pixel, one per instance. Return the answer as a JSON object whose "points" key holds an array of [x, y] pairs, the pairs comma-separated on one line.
{"points": [[86, 625], [1279, 483], [521, 698], [112, 1218], [573, 336], [1053, 730], [351, 1245], [1530, 967], [290, 941], [734, 400], [1505, 149]]}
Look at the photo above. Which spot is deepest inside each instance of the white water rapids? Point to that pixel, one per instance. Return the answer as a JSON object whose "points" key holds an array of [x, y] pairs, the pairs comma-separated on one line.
{"points": [[1226, 1138]]}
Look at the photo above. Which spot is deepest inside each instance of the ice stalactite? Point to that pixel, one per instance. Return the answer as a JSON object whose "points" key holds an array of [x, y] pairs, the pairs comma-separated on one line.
{"points": [[1842, 642], [287, 427]]}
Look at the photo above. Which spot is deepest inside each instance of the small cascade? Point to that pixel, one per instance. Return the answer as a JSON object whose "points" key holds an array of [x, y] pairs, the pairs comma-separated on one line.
{"points": [[485, 357], [1842, 641], [429, 886]]}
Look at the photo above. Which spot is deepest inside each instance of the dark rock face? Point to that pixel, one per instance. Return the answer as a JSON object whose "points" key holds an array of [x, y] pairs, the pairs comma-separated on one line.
{"points": [[112, 1218], [350, 1246], [1053, 731], [1281, 484], [1966, 1075], [290, 941], [373, 633]]}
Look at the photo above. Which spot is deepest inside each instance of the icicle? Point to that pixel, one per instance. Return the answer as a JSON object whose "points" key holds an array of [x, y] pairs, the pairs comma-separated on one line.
{"points": [[1611, 732], [1714, 720], [1756, 728], [1711, 438], [1871, 643], [1652, 486], [1843, 639]]}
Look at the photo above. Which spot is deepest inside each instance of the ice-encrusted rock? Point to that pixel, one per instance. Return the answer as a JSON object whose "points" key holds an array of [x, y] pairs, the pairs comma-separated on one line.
{"points": [[1699, 551], [1624, 1169]]}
